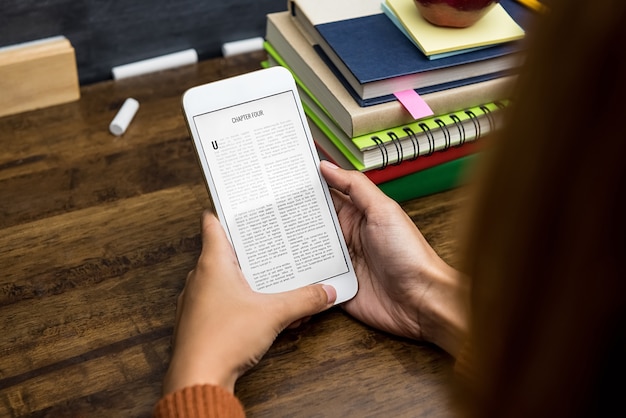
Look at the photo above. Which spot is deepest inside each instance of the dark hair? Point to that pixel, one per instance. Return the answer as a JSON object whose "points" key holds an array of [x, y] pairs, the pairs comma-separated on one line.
{"points": [[546, 246]]}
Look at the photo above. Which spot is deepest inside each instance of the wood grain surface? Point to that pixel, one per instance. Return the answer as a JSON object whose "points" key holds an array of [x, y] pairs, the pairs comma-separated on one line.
{"points": [[97, 234]]}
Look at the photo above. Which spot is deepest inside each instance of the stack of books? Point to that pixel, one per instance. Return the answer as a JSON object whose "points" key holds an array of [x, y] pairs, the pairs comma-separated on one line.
{"points": [[350, 58]]}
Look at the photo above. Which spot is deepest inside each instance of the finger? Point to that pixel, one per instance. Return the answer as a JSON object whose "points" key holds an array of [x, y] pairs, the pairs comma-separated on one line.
{"points": [[303, 302], [299, 322], [362, 191]]}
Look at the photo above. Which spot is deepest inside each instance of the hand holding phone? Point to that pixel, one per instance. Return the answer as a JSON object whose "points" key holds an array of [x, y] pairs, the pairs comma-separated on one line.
{"points": [[261, 169]]}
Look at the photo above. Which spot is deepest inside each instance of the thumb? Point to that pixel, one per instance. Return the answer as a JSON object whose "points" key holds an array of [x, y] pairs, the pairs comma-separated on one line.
{"points": [[214, 238], [362, 191], [303, 302]]}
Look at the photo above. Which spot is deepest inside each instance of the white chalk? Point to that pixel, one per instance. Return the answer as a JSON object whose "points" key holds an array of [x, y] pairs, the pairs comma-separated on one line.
{"points": [[239, 47], [123, 117], [164, 62], [32, 43]]}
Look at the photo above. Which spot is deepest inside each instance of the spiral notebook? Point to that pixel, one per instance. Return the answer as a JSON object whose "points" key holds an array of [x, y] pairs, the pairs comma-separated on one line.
{"points": [[328, 150], [401, 147], [445, 175]]}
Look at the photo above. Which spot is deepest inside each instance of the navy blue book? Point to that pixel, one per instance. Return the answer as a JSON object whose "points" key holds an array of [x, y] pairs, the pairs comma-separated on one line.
{"points": [[389, 97], [376, 59]]}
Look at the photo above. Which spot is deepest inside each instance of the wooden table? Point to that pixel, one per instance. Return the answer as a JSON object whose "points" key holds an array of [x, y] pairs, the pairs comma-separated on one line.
{"points": [[97, 234]]}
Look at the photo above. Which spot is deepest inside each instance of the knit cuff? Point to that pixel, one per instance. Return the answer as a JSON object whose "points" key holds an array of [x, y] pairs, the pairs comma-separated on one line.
{"points": [[199, 401]]}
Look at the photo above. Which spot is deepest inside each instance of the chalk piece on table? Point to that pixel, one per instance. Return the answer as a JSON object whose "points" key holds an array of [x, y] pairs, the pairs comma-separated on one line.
{"points": [[122, 119], [164, 62], [243, 46]]}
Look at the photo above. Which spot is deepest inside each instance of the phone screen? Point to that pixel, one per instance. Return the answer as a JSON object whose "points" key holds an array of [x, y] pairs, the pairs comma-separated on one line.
{"points": [[268, 191]]}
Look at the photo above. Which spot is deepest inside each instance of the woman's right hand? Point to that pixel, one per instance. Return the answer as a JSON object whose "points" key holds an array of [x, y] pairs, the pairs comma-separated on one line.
{"points": [[405, 288]]}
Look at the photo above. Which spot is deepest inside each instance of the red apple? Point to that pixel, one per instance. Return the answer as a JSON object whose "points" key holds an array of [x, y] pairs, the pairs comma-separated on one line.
{"points": [[454, 13]]}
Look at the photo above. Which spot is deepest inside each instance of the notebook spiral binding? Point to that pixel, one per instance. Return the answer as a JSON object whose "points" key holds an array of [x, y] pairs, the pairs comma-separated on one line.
{"points": [[460, 127], [383, 150], [413, 137], [399, 152]]}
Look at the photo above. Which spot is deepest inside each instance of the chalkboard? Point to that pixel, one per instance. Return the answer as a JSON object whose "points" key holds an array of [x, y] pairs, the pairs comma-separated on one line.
{"points": [[108, 33]]}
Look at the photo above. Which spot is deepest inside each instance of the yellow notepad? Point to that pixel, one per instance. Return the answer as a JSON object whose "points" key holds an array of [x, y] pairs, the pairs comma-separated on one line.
{"points": [[497, 26]]}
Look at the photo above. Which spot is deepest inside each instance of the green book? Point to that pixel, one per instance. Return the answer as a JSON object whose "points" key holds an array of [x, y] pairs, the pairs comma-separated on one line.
{"points": [[442, 177]]}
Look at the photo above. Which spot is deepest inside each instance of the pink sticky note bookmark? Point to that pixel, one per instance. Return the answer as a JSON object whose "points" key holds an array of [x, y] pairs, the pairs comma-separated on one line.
{"points": [[412, 102]]}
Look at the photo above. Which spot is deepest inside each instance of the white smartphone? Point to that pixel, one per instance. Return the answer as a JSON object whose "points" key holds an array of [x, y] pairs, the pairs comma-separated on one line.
{"points": [[261, 169]]}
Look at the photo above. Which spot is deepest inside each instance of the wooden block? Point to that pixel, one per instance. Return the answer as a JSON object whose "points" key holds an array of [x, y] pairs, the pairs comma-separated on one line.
{"points": [[37, 74]]}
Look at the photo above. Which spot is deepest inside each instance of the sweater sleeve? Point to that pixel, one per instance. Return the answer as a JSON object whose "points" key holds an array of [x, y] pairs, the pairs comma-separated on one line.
{"points": [[200, 401]]}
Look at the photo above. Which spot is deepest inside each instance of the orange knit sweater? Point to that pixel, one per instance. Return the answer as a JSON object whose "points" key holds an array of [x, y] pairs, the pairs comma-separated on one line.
{"points": [[201, 401]]}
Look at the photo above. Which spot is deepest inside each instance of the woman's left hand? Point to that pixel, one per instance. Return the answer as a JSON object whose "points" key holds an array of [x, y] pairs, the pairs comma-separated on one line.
{"points": [[223, 327]]}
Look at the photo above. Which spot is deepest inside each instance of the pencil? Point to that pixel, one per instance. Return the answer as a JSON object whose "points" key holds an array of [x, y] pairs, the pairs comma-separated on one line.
{"points": [[536, 5]]}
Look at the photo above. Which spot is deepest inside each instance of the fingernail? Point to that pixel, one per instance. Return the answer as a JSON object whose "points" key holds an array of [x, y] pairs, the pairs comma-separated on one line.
{"points": [[329, 164], [331, 293]]}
